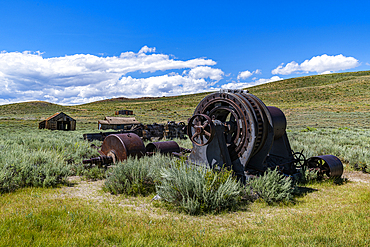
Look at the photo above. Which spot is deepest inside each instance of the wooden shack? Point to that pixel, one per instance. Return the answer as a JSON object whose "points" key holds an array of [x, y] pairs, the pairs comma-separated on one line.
{"points": [[59, 121], [117, 123]]}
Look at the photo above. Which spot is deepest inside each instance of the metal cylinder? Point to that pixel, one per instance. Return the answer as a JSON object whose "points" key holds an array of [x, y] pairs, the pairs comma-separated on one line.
{"points": [[327, 164], [163, 147], [121, 146], [278, 120]]}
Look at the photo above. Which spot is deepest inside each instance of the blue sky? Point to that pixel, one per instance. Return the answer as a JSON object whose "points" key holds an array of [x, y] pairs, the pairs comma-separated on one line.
{"points": [[73, 52]]}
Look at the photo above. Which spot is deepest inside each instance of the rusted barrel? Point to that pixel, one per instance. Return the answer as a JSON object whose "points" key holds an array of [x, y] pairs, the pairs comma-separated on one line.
{"points": [[163, 147], [121, 146]]}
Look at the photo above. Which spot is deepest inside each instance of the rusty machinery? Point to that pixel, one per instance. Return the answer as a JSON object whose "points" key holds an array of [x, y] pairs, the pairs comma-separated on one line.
{"points": [[153, 131], [118, 147], [234, 128]]}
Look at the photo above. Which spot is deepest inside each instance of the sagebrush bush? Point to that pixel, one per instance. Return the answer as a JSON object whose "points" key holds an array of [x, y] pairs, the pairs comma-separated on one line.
{"points": [[272, 187], [308, 175], [136, 177], [40, 158], [38, 168], [351, 146], [90, 173], [197, 190]]}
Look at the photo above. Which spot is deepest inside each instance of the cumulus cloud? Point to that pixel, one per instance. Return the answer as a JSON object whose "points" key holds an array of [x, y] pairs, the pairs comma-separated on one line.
{"points": [[240, 85], [82, 78], [245, 74], [206, 72], [146, 49], [323, 64]]}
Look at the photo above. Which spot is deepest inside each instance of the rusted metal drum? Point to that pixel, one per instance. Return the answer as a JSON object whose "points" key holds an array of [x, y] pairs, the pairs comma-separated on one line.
{"points": [[121, 146], [327, 164], [163, 147]]}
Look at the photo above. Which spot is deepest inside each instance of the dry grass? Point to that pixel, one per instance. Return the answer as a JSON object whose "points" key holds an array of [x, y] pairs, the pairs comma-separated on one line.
{"points": [[84, 216]]}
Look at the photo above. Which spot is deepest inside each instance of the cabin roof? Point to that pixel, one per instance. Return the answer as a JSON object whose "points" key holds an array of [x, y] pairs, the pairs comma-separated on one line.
{"points": [[58, 114], [119, 120]]}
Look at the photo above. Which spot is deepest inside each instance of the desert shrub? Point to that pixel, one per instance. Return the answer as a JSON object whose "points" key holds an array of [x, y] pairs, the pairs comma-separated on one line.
{"points": [[197, 190], [307, 176], [136, 176], [308, 129], [352, 146], [37, 168], [90, 173], [39, 158], [272, 187]]}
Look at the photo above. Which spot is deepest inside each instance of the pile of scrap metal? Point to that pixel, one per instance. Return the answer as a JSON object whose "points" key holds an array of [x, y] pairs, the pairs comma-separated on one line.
{"points": [[149, 132], [174, 130], [118, 147], [232, 129]]}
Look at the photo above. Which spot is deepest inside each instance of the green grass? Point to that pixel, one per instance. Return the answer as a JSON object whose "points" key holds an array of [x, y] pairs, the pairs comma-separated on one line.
{"points": [[329, 216]]}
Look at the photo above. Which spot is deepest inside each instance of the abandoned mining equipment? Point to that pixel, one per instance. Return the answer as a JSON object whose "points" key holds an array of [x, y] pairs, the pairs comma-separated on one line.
{"points": [[150, 132], [118, 147], [234, 128]]}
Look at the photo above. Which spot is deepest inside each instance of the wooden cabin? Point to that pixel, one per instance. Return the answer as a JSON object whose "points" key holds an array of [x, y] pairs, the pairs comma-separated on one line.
{"points": [[117, 123], [59, 121]]}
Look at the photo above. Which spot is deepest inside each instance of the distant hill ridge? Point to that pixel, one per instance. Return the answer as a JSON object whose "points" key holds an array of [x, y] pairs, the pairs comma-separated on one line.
{"points": [[337, 92]]}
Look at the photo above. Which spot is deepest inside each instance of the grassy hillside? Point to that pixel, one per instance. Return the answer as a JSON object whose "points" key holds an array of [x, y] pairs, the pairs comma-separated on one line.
{"points": [[333, 92], [333, 100]]}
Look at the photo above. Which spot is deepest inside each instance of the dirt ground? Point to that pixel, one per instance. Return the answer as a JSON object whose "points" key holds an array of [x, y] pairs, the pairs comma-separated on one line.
{"points": [[92, 190]]}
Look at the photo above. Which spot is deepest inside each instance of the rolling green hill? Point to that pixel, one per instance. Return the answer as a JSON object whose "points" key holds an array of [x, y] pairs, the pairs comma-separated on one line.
{"points": [[332, 100]]}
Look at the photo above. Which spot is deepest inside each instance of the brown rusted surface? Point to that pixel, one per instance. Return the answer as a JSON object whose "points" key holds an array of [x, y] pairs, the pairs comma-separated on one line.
{"points": [[101, 161], [167, 147], [201, 129], [121, 146]]}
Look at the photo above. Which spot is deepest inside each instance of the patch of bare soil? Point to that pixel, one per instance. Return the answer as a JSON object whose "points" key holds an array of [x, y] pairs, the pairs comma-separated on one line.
{"points": [[356, 176], [92, 191]]}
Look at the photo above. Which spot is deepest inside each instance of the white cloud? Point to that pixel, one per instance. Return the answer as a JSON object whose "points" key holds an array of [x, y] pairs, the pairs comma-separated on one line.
{"points": [[83, 78], [146, 49], [321, 64], [206, 72], [245, 74], [240, 85]]}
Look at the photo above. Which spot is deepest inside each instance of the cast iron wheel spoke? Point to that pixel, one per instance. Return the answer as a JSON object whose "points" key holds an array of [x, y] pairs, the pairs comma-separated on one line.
{"points": [[207, 133], [299, 158], [195, 135], [196, 127], [198, 121]]}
